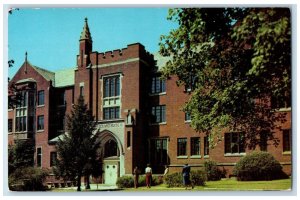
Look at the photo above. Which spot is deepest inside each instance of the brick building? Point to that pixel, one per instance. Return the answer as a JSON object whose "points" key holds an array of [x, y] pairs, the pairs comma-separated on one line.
{"points": [[139, 117]]}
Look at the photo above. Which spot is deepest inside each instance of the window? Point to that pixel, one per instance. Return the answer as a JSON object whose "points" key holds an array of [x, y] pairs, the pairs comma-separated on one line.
{"points": [[195, 146], [111, 86], [190, 84], [128, 139], [286, 140], [282, 101], [181, 147], [110, 149], [158, 85], [61, 98], [158, 114], [21, 120], [39, 156], [111, 113], [263, 143], [187, 116], [53, 158], [159, 151], [234, 143], [10, 125], [206, 146], [81, 91], [40, 125], [41, 97]]}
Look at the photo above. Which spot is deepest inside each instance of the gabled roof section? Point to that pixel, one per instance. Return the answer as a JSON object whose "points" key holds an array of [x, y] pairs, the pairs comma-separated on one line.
{"points": [[48, 75], [65, 77]]}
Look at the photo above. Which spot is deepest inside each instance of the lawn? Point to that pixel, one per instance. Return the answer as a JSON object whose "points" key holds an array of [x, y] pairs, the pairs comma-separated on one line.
{"points": [[222, 185]]}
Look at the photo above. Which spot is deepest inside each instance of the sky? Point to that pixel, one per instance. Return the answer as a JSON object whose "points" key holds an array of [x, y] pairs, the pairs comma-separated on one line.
{"points": [[50, 36]]}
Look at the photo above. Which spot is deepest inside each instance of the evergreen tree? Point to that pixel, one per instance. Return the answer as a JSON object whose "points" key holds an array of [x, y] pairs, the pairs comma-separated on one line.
{"points": [[234, 60], [77, 149]]}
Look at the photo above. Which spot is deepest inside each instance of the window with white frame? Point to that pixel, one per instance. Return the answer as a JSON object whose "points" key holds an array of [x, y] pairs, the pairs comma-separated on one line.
{"points": [[158, 85], [21, 113], [195, 146], [40, 122], [158, 114], [41, 97], [111, 97], [181, 146]]}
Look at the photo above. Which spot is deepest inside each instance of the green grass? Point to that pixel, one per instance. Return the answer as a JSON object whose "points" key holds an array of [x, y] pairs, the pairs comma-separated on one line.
{"points": [[222, 185]]}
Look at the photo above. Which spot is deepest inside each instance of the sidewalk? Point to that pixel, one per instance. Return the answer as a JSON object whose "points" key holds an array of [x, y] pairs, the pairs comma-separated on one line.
{"points": [[101, 187]]}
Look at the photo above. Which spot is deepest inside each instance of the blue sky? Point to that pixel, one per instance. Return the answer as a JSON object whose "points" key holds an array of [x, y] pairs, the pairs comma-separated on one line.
{"points": [[51, 35]]}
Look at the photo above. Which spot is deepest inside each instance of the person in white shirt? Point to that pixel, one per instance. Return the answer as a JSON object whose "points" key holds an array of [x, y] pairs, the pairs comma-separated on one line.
{"points": [[148, 172]]}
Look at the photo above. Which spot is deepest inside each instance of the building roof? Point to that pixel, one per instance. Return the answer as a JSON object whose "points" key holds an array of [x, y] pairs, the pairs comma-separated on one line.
{"points": [[48, 75], [85, 34], [65, 77], [25, 80]]}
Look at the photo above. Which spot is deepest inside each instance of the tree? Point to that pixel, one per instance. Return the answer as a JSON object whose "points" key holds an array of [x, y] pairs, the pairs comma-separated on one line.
{"points": [[236, 60], [77, 149], [20, 155]]}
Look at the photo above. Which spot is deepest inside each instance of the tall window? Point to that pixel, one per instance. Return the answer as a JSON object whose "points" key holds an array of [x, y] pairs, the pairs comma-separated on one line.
{"points": [[195, 146], [21, 114], [62, 98], [111, 86], [159, 151], [40, 125], [181, 146], [263, 143], [158, 114], [10, 125], [81, 90], [158, 85], [187, 116], [234, 143], [39, 156], [128, 139], [206, 146], [41, 97], [286, 138], [53, 158]]}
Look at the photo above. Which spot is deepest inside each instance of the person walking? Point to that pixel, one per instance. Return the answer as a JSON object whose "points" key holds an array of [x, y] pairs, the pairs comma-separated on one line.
{"points": [[136, 173], [186, 176], [148, 172]]}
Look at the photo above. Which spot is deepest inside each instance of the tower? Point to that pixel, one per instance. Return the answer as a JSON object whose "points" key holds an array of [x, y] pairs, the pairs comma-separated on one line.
{"points": [[85, 46]]}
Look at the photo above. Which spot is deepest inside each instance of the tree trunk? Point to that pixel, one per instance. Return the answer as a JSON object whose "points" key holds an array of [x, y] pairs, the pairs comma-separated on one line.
{"points": [[87, 182], [79, 182]]}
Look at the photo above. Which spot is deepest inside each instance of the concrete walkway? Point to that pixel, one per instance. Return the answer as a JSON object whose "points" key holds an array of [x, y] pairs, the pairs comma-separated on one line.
{"points": [[101, 187]]}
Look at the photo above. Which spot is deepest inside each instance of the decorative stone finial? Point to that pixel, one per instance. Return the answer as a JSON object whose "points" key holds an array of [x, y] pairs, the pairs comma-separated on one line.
{"points": [[85, 34]]}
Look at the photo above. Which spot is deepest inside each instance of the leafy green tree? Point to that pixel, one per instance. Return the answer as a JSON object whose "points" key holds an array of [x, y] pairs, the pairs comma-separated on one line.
{"points": [[235, 60], [77, 150], [20, 155]]}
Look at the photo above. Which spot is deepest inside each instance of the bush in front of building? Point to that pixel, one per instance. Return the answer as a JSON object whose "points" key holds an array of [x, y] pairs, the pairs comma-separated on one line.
{"points": [[198, 178], [128, 182], [28, 179], [258, 166], [213, 172]]}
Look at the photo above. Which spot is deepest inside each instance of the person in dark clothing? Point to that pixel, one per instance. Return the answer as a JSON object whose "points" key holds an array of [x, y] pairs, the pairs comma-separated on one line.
{"points": [[136, 173], [186, 176]]}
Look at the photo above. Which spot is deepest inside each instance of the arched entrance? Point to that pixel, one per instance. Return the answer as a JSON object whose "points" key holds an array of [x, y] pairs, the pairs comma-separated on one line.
{"points": [[110, 152]]}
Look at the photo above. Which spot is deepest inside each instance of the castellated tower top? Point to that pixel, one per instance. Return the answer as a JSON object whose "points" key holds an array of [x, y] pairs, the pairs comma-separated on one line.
{"points": [[85, 34]]}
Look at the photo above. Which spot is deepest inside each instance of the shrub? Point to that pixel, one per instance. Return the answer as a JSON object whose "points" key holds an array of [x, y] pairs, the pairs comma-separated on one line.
{"points": [[214, 173], [198, 178], [258, 166], [128, 182], [125, 182], [28, 179]]}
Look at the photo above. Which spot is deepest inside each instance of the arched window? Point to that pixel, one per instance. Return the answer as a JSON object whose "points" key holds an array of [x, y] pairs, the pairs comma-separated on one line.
{"points": [[110, 149]]}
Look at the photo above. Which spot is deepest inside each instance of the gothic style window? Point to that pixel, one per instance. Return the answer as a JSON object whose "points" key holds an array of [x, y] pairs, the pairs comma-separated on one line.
{"points": [[195, 146], [181, 147], [111, 97], [111, 113], [110, 149], [41, 97], [158, 114], [21, 113], [111, 86], [158, 85], [234, 143]]}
